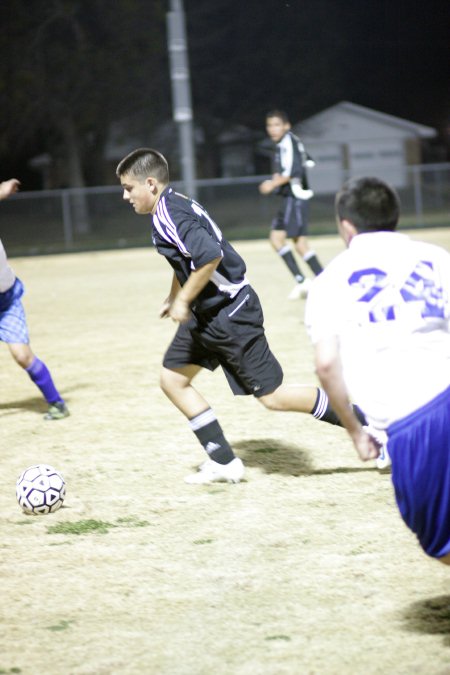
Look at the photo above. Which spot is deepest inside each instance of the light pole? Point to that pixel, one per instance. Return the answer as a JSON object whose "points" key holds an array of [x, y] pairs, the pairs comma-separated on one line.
{"points": [[181, 93]]}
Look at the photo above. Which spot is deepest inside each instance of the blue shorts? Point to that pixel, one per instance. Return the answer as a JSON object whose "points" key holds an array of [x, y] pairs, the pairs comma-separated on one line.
{"points": [[292, 217], [13, 323], [419, 446]]}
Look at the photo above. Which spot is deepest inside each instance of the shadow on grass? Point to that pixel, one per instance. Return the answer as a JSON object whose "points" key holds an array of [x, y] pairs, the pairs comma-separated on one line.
{"points": [[430, 616], [274, 456], [36, 404]]}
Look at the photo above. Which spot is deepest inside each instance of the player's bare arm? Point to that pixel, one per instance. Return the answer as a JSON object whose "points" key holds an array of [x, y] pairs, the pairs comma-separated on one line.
{"points": [[329, 371], [271, 184], [164, 312], [180, 308], [9, 187]]}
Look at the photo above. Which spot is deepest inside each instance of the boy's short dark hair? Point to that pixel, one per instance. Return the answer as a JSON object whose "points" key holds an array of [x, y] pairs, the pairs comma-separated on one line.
{"points": [[280, 114], [142, 163], [369, 204]]}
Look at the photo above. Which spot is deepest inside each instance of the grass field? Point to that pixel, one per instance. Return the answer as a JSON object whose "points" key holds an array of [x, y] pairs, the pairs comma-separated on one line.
{"points": [[303, 569]]}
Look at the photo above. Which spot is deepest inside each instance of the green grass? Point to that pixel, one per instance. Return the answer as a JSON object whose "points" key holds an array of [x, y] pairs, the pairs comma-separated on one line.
{"points": [[62, 625], [91, 525], [131, 521], [203, 541]]}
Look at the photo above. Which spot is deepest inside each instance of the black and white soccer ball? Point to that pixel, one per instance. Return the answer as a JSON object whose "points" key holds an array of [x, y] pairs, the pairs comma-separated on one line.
{"points": [[40, 489]]}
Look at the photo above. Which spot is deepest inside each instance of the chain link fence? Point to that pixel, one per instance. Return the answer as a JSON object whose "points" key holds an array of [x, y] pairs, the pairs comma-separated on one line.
{"points": [[57, 221]]}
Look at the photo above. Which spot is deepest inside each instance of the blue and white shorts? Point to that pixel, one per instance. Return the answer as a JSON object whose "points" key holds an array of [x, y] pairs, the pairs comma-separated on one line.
{"points": [[13, 323], [419, 446]]}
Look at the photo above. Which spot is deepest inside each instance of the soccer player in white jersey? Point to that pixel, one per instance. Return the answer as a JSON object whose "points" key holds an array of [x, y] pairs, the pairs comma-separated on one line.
{"points": [[379, 317], [14, 329], [219, 315], [291, 182]]}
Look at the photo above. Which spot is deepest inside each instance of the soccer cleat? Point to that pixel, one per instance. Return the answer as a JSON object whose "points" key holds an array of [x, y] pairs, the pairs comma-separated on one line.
{"points": [[57, 411], [300, 290], [212, 472], [383, 461]]}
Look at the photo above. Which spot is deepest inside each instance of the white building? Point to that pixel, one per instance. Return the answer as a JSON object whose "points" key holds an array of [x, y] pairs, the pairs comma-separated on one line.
{"points": [[351, 140]]}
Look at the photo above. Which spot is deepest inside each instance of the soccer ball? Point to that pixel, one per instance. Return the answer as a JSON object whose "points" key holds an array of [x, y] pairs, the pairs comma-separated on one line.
{"points": [[40, 489]]}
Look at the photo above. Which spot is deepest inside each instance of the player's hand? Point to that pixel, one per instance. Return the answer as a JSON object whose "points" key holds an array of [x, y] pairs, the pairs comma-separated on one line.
{"points": [[9, 187], [179, 310], [266, 187], [366, 446], [164, 312]]}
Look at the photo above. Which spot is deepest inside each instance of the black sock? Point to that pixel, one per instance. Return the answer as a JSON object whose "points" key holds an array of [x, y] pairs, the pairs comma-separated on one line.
{"points": [[312, 260], [286, 254], [209, 432], [325, 413]]}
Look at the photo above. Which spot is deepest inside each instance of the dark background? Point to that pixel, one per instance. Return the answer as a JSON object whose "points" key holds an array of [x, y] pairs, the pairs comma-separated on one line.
{"points": [[69, 69]]}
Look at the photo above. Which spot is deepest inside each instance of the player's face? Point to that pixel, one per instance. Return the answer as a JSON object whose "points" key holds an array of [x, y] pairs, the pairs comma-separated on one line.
{"points": [[276, 128], [143, 196]]}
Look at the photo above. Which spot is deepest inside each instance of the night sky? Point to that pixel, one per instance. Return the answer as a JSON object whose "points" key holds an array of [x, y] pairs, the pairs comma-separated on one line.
{"points": [[305, 55], [246, 57]]}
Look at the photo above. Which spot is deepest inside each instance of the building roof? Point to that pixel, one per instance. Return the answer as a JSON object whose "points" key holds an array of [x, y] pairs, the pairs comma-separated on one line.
{"points": [[350, 120]]}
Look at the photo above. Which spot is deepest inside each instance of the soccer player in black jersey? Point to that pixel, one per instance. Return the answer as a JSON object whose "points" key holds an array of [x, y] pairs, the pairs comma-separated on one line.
{"points": [[219, 315], [290, 181]]}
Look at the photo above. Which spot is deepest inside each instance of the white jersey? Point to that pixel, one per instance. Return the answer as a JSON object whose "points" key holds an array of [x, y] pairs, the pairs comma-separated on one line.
{"points": [[387, 299], [7, 276]]}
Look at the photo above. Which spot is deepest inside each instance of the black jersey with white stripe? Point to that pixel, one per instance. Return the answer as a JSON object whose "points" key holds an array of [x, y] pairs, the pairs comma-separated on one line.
{"points": [[290, 160], [186, 235]]}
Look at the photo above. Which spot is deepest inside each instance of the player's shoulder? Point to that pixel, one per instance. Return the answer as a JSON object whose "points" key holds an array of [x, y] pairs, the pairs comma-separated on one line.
{"points": [[335, 272], [172, 201], [430, 247], [338, 262], [291, 139], [169, 195], [286, 141], [180, 197]]}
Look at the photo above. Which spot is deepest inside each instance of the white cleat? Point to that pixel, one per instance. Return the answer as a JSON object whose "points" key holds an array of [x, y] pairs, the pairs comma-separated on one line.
{"points": [[383, 461], [212, 472], [300, 290]]}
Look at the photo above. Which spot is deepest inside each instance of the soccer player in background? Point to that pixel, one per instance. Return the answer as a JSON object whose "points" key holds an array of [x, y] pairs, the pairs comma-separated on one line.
{"points": [[14, 330], [219, 315], [290, 181], [379, 317]]}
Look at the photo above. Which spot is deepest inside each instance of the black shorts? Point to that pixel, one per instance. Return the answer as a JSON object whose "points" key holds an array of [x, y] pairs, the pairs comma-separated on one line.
{"points": [[292, 217], [234, 338]]}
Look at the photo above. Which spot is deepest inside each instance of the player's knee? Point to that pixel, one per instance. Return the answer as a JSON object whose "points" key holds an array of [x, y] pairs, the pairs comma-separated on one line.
{"points": [[277, 239], [273, 242], [165, 381], [169, 381], [22, 355], [270, 401]]}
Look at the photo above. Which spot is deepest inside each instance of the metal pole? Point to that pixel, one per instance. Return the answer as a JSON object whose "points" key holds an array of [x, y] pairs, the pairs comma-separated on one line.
{"points": [[67, 219], [181, 93], [418, 195]]}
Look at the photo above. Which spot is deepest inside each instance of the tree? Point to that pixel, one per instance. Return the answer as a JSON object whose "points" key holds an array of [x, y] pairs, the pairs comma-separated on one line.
{"points": [[70, 67]]}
